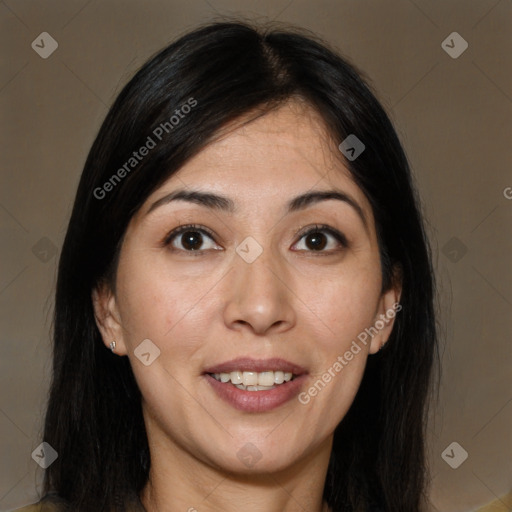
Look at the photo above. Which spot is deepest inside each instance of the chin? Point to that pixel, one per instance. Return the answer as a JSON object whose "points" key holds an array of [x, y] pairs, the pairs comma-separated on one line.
{"points": [[250, 459]]}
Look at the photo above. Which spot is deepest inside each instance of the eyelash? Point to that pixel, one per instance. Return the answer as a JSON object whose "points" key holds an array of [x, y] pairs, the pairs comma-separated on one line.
{"points": [[317, 228]]}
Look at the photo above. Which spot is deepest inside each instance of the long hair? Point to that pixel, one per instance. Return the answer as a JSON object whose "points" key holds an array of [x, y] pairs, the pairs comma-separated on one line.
{"points": [[225, 70]]}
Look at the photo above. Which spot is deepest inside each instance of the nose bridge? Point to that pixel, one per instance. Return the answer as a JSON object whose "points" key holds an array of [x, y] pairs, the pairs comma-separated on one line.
{"points": [[258, 294], [261, 274]]}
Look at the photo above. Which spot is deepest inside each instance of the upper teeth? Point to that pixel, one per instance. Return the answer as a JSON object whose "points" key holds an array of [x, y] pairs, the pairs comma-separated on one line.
{"points": [[268, 378]]}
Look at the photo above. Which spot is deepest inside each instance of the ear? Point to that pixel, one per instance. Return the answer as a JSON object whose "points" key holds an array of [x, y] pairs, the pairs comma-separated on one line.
{"points": [[107, 317], [389, 306]]}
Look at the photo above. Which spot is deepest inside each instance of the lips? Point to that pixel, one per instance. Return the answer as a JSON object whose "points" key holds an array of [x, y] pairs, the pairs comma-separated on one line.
{"points": [[256, 400]]}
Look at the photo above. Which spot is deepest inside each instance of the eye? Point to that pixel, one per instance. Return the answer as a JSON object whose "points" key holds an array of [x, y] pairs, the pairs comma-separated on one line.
{"points": [[319, 237], [190, 237]]}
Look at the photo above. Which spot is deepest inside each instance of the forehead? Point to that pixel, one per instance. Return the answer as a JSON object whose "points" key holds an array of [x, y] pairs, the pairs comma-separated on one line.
{"points": [[293, 136], [267, 158]]}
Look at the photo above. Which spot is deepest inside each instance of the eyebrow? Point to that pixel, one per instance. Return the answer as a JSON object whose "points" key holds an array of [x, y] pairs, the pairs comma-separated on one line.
{"points": [[222, 203]]}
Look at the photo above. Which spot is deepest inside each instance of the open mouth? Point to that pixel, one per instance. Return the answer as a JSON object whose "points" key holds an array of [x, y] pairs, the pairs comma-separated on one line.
{"points": [[254, 381], [256, 385]]}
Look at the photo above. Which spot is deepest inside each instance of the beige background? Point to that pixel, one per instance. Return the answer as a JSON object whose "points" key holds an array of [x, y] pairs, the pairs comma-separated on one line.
{"points": [[453, 116]]}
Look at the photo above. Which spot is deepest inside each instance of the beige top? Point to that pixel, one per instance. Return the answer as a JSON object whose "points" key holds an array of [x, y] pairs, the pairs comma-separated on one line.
{"points": [[39, 507], [48, 506], [54, 507]]}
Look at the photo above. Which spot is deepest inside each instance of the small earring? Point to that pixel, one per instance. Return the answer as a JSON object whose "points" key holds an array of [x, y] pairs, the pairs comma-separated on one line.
{"points": [[112, 346]]}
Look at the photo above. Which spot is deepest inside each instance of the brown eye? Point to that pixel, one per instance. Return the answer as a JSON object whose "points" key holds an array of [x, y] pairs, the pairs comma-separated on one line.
{"points": [[316, 241], [318, 238], [190, 239]]}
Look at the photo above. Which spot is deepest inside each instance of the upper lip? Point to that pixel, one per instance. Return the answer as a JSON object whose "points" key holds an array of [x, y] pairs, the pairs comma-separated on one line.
{"points": [[249, 364]]}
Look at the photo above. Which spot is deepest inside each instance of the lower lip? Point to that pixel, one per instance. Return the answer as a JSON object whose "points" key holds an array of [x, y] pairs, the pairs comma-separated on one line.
{"points": [[256, 401]]}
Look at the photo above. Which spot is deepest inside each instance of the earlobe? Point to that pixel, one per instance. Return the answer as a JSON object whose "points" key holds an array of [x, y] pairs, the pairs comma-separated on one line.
{"points": [[107, 318], [389, 307]]}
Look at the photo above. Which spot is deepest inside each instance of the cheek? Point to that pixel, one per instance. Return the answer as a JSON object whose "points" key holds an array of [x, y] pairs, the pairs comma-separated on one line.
{"points": [[342, 304], [345, 305], [332, 389], [157, 304]]}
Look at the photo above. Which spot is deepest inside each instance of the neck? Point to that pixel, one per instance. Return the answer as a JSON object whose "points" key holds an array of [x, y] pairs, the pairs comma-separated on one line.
{"points": [[189, 484]]}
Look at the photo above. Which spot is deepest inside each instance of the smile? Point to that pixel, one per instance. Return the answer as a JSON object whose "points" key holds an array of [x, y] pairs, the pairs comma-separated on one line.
{"points": [[254, 381], [256, 385]]}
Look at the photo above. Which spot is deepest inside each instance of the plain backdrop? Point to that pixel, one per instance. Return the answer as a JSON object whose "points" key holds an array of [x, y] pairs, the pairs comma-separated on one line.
{"points": [[452, 113]]}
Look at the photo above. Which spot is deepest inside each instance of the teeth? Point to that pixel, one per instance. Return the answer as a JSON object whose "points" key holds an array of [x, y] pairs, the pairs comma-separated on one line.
{"points": [[250, 379], [254, 388], [254, 381], [266, 379], [236, 377], [278, 377]]}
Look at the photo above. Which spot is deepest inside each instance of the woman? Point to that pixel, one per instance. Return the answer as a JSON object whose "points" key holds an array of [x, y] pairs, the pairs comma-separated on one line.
{"points": [[244, 309]]}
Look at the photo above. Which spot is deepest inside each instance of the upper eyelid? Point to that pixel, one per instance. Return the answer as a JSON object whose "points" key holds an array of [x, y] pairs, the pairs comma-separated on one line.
{"points": [[335, 233], [316, 227], [183, 228]]}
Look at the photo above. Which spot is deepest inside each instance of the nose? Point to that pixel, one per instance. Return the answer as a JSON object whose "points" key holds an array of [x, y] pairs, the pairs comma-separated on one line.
{"points": [[260, 296]]}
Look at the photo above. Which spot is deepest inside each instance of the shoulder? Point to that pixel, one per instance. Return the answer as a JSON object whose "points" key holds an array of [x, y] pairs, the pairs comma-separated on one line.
{"points": [[55, 503], [40, 507], [48, 504]]}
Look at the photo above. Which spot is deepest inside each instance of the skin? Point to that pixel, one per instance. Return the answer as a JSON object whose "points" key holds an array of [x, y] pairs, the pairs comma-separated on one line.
{"points": [[204, 308]]}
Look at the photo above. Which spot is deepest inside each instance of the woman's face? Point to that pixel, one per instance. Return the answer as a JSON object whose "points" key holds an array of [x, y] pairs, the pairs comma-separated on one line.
{"points": [[248, 282]]}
